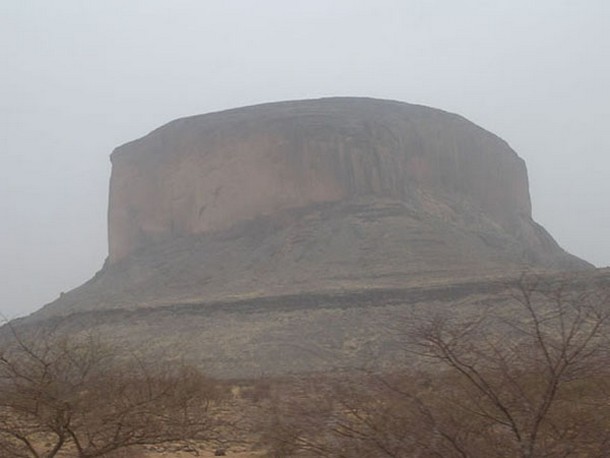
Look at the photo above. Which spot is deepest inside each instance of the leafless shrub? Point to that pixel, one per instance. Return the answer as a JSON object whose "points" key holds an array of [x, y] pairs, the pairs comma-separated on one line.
{"points": [[59, 394], [528, 381]]}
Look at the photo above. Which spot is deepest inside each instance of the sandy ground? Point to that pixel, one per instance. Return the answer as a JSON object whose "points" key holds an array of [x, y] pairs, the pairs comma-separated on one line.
{"points": [[205, 454], [237, 452]]}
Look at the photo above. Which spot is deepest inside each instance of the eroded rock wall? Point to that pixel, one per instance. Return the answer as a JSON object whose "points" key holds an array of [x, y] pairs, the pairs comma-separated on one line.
{"points": [[208, 172]]}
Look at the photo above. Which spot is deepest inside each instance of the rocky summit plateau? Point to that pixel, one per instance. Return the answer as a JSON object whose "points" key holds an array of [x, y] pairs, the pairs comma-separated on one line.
{"points": [[247, 237]]}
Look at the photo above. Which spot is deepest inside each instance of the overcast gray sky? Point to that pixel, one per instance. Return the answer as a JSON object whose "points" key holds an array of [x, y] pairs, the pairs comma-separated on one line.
{"points": [[78, 78]]}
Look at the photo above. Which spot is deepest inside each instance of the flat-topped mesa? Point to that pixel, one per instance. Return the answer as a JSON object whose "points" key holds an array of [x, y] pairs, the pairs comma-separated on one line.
{"points": [[300, 231], [208, 172]]}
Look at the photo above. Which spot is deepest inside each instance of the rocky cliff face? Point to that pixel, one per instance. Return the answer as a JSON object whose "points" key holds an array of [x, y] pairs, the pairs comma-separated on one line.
{"points": [[313, 196], [206, 173]]}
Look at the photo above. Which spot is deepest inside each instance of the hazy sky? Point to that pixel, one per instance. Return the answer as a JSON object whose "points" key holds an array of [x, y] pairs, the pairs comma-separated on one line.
{"points": [[78, 78]]}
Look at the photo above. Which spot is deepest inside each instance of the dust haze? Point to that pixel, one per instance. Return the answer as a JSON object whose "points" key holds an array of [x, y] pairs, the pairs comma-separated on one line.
{"points": [[80, 78]]}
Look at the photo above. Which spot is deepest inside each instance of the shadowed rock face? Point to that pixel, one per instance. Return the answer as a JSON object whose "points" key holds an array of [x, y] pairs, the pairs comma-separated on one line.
{"points": [[207, 173]]}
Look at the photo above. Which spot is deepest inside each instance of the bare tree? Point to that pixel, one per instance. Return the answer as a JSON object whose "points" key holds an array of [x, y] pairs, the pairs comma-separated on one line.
{"points": [[521, 376], [59, 394]]}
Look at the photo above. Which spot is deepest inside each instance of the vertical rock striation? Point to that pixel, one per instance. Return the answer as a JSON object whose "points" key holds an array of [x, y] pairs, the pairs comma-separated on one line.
{"points": [[207, 173]]}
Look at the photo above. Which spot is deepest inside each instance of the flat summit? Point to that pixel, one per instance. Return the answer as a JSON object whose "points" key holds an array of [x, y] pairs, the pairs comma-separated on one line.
{"points": [[309, 199]]}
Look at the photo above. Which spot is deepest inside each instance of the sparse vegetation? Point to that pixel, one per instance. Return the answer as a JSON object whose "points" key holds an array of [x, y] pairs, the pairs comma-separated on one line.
{"points": [[534, 384], [527, 377], [79, 396]]}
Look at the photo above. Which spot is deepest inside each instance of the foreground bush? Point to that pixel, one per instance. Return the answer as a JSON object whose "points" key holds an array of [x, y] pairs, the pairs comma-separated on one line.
{"points": [[81, 397]]}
